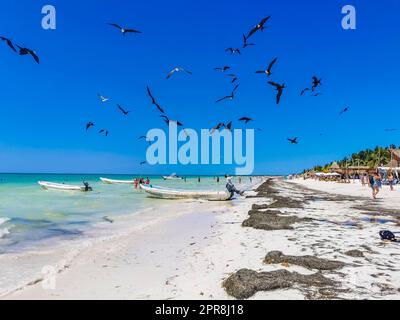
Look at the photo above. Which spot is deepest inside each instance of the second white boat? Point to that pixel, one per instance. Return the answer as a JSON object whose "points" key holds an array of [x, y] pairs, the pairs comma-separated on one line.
{"points": [[112, 181], [173, 176]]}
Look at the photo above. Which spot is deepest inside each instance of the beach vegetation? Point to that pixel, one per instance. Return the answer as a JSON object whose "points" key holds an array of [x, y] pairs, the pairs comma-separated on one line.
{"points": [[369, 157]]}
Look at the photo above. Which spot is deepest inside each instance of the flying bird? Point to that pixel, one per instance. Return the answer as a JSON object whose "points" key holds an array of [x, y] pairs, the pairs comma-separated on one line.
{"points": [[153, 101], [231, 96], [217, 127], [144, 138], [344, 110], [26, 51], [233, 50], [167, 121], [259, 26], [233, 76], [222, 69], [143, 162], [102, 98], [245, 119], [304, 90], [316, 82], [104, 131], [268, 71], [124, 112], [177, 69], [245, 43], [293, 140], [279, 89], [229, 126], [9, 43], [89, 125], [124, 31]]}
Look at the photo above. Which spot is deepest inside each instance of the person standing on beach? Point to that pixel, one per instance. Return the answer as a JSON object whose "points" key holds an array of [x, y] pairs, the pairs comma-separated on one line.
{"points": [[390, 179], [377, 183], [363, 178], [136, 182], [370, 180]]}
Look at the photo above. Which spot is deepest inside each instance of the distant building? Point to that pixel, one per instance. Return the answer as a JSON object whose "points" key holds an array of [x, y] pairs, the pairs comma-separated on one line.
{"points": [[334, 167], [360, 169], [395, 156]]}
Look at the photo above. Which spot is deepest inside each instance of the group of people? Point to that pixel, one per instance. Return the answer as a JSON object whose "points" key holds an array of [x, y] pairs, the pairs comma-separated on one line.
{"points": [[139, 181], [374, 181]]}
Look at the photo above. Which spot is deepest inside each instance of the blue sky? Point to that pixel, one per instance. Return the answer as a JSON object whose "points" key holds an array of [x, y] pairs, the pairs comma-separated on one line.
{"points": [[44, 108]]}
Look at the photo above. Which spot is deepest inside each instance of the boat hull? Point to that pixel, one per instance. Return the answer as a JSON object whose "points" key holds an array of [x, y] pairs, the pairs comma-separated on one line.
{"points": [[112, 181], [172, 178], [169, 193], [60, 186]]}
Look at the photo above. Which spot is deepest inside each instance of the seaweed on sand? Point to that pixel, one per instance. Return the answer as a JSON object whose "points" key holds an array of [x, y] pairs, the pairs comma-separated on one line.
{"points": [[271, 220], [309, 262], [245, 283]]}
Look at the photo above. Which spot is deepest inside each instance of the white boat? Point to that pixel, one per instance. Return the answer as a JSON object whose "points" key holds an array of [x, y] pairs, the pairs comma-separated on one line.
{"points": [[172, 177], [112, 181], [61, 186], [169, 193]]}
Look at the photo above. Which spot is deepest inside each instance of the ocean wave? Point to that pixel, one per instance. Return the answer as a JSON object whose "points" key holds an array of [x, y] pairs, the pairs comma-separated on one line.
{"points": [[4, 232], [3, 220]]}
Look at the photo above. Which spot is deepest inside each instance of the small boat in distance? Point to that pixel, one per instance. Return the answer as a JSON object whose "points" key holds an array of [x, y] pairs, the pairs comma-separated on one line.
{"points": [[173, 176], [112, 181], [169, 193], [63, 187]]}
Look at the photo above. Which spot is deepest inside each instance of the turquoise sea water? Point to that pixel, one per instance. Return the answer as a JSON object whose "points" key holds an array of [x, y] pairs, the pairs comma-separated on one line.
{"points": [[29, 214]]}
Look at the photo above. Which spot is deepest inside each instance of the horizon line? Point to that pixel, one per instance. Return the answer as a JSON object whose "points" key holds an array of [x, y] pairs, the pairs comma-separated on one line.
{"points": [[135, 174]]}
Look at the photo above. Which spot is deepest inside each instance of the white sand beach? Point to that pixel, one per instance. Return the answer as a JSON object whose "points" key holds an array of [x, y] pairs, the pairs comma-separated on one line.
{"points": [[386, 197], [192, 247]]}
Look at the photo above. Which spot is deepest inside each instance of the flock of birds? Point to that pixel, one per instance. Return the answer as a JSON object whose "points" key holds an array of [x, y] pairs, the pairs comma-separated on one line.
{"points": [[234, 51], [279, 87]]}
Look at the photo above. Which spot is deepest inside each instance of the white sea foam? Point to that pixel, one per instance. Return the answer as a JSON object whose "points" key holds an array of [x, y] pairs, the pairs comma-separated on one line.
{"points": [[3, 220], [4, 231]]}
